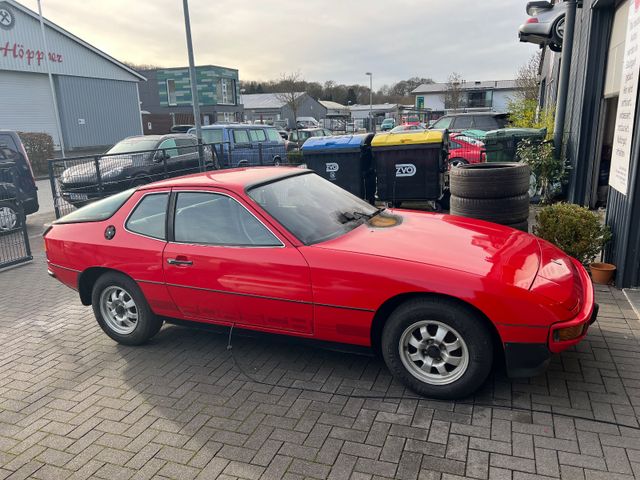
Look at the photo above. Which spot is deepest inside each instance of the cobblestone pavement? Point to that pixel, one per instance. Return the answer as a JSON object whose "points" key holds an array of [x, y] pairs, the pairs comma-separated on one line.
{"points": [[75, 404]]}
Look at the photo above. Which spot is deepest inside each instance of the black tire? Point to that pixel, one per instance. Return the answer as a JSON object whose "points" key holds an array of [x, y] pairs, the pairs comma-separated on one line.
{"points": [[557, 35], [554, 47], [489, 180], [147, 323], [470, 327], [498, 210], [12, 218], [522, 226]]}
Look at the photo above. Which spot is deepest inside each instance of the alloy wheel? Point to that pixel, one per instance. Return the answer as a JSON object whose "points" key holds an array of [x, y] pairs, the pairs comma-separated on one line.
{"points": [[8, 219], [119, 310], [433, 352]]}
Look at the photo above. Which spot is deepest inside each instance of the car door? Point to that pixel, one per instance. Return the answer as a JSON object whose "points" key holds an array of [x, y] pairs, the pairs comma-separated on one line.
{"points": [[188, 155], [242, 148], [168, 157], [222, 264]]}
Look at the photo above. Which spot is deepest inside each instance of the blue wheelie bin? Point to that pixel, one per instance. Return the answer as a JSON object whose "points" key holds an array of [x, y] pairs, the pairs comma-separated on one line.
{"points": [[345, 160]]}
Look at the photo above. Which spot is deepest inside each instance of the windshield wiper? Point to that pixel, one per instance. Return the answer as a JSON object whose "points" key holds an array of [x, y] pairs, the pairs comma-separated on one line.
{"points": [[353, 216]]}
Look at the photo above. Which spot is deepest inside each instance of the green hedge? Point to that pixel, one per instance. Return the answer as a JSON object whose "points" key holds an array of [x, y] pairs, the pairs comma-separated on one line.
{"points": [[39, 147]]}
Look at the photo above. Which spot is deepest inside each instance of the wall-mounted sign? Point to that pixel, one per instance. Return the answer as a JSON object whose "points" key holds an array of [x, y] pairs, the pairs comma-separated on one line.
{"points": [[625, 121], [28, 55], [7, 18]]}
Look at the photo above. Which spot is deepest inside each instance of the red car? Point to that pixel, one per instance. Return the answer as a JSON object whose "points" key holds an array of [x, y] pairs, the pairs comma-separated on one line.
{"points": [[282, 250], [464, 150]]}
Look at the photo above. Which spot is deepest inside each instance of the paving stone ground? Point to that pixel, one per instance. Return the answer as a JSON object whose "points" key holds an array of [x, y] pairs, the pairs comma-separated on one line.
{"points": [[74, 404]]}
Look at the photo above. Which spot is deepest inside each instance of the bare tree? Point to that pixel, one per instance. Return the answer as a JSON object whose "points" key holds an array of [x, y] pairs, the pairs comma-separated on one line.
{"points": [[291, 87], [528, 79], [453, 95]]}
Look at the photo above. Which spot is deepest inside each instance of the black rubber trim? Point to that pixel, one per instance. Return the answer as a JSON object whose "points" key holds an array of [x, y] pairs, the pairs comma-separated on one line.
{"points": [[526, 359], [594, 315]]}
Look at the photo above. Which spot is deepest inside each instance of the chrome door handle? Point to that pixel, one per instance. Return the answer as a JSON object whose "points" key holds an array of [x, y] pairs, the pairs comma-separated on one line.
{"points": [[173, 261]]}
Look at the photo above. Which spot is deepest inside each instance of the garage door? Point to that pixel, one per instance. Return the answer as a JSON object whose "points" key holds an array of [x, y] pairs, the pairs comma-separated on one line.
{"points": [[27, 104]]}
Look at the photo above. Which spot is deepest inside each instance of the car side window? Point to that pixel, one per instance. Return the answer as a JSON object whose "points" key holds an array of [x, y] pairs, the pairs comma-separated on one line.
{"points": [[463, 123], [293, 136], [214, 219], [257, 135], [186, 145], [273, 135], [149, 216], [485, 122], [444, 122], [240, 136], [170, 148], [454, 145]]}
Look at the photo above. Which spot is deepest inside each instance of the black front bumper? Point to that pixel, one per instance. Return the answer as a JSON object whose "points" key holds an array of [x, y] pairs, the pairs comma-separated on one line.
{"points": [[530, 359]]}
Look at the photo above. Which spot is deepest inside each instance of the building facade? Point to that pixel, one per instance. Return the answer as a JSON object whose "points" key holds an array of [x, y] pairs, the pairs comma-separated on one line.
{"points": [[490, 96], [166, 97], [97, 96], [601, 137], [271, 108]]}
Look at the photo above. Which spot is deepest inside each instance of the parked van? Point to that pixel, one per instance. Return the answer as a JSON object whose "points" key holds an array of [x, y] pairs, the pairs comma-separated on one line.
{"points": [[245, 145], [17, 183]]}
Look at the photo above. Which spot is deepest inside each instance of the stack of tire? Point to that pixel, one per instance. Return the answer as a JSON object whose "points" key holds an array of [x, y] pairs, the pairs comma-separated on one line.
{"points": [[496, 192]]}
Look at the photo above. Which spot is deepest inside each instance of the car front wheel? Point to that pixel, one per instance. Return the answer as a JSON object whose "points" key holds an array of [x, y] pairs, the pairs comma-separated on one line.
{"points": [[122, 311], [10, 217], [438, 348]]}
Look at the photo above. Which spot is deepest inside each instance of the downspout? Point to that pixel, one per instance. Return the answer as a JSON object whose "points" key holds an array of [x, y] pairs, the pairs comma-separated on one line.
{"points": [[565, 74]]}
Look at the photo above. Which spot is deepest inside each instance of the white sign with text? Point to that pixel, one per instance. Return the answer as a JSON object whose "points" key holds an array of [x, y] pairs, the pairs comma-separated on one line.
{"points": [[621, 156]]}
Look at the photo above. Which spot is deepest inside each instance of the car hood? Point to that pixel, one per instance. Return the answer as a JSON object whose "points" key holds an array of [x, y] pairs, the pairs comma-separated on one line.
{"points": [[86, 171], [467, 245]]}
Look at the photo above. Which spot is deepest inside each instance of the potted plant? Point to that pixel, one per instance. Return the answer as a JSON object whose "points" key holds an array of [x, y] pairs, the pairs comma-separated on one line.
{"points": [[579, 232]]}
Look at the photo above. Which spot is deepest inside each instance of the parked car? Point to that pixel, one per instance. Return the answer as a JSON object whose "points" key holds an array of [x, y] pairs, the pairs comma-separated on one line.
{"points": [[307, 122], [545, 25], [464, 150], [412, 121], [298, 137], [245, 145], [406, 128], [131, 162], [457, 122], [17, 183], [387, 124], [181, 128], [436, 294]]}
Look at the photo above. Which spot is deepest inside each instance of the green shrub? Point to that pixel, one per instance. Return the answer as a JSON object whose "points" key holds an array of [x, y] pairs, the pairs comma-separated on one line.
{"points": [[550, 172], [574, 229], [524, 113], [39, 147]]}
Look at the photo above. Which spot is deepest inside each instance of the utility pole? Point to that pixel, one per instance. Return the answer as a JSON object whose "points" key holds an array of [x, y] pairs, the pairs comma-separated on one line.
{"points": [[371, 123], [51, 85], [565, 74], [194, 85]]}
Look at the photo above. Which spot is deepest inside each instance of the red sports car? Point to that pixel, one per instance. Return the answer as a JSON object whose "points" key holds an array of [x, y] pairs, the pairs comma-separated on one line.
{"points": [[464, 150], [282, 250]]}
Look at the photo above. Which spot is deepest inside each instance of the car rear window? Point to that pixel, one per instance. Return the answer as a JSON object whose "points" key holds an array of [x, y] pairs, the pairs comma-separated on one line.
{"points": [[8, 148], [99, 210]]}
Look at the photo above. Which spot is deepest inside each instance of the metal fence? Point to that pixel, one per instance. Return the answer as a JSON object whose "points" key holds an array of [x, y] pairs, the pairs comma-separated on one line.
{"points": [[14, 240], [78, 181]]}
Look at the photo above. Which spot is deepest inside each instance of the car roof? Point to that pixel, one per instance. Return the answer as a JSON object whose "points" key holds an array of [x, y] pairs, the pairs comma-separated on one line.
{"points": [[477, 114], [220, 126], [236, 179]]}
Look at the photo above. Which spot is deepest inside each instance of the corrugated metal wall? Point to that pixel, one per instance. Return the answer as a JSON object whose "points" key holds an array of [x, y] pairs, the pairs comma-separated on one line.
{"points": [[26, 103], [97, 112], [67, 56]]}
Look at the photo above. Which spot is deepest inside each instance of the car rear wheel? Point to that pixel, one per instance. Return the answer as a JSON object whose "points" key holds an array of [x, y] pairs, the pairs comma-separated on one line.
{"points": [[122, 311], [10, 217], [558, 31], [437, 348]]}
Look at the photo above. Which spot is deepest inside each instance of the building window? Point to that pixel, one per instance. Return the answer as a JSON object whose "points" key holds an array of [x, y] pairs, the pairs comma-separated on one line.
{"points": [[226, 91], [171, 92]]}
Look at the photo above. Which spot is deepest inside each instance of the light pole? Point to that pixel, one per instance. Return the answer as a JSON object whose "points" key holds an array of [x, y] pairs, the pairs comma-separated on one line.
{"points": [[194, 85], [371, 125]]}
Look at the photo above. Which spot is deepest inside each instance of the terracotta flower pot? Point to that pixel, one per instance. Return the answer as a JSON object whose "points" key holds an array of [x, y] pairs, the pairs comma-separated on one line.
{"points": [[602, 273]]}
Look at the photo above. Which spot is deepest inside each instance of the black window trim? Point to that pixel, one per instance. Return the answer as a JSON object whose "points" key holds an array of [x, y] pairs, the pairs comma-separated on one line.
{"points": [[135, 207], [172, 215]]}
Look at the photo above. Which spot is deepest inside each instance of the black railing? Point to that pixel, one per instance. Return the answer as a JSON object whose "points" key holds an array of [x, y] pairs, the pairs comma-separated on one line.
{"points": [[14, 240], [78, 181]]}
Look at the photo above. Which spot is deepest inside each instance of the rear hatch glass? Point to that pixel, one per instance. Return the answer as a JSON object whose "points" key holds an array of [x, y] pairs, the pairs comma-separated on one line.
{"points": [[99, 210], [11, 153]]}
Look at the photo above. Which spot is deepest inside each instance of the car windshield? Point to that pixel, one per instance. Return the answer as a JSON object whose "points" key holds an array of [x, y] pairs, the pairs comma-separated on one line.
{"points": [[312, 208], [133, 145]]}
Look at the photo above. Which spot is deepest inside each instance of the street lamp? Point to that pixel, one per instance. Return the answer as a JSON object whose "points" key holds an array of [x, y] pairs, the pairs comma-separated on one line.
{"points": [[370, 101]]}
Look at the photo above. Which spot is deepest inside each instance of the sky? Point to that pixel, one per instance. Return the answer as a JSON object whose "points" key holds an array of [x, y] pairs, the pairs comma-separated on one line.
{"points": [[322, 40]]}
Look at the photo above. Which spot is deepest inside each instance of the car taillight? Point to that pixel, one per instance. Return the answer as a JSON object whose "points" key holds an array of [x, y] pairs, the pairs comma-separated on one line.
{"points": [[532, 20]]}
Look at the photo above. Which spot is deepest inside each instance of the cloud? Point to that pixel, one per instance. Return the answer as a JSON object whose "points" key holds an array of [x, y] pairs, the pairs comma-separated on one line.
{"points": [[322, 39]]}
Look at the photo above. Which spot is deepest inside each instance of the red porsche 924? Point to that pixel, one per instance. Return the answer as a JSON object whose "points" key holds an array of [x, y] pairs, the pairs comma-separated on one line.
{"points": [[282, 250]]}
